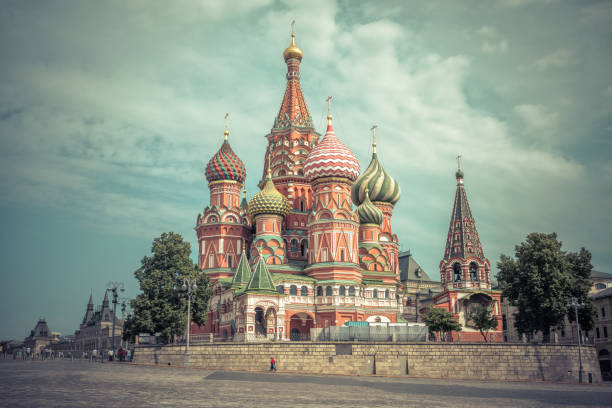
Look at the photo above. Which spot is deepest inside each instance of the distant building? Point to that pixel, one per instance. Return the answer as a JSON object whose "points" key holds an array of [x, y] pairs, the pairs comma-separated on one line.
{"points": [[40, 337], [95, 331], [418, 286], [601, 280], [602, 336]]}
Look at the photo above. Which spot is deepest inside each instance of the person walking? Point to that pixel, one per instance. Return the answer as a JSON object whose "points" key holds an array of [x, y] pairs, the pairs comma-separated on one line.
{"points": [[110, 355], [272, 364]]}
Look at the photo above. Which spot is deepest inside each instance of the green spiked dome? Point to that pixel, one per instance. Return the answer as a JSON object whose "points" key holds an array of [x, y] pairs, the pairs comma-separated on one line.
{"points": [[381, 186], [242, 276], [368, 212], [260, 280], [268, 201]]}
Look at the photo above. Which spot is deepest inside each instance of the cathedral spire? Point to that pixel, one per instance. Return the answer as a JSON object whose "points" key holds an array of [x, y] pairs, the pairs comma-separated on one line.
{"points": [[293, 111], [462, 241]]}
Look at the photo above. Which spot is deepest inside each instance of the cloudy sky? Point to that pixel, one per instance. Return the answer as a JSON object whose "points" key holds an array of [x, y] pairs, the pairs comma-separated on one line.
{"points": [[110, 110]]}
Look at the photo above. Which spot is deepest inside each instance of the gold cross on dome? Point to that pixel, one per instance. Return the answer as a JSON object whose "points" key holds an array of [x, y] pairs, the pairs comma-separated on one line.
{"points": [[459, 162], [293, 28], [328, 100], [373, 129]]}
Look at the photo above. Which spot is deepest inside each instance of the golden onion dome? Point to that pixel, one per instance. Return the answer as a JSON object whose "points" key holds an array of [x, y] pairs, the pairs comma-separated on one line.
{"points": [[293, 51], [268, 201]]}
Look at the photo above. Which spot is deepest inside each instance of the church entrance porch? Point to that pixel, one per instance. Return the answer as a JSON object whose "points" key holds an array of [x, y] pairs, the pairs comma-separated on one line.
{"points": [[299, 327]]}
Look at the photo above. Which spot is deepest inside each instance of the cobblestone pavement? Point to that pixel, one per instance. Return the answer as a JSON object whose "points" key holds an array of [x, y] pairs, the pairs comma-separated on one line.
{"points": [[83, 384]]}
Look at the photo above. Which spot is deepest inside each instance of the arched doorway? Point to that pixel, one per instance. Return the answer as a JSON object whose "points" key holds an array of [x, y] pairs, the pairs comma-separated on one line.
{"points": [[260, 322], [299, 327], [270, 322]]}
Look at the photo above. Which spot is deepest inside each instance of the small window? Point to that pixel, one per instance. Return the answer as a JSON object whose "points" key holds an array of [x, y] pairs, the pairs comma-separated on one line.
{"points": [[457, 272], [304, 247], [375, 293], [324, 255], [342, 255], [597, 332], [229, 261], [600, 286], [387, 294], [351, 291], [280, 289], [211, 261], [342, 291], [304, 291], [293, 290], [302, 206], [473, 272], [320, 291], [294, 245], [605, 331], [328, 291], [603, 312], [562, 333]]}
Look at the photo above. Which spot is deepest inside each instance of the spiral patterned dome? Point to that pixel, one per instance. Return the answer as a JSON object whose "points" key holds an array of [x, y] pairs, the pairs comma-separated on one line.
{"points": [[225, 165], [380, 185], [268, 201], [368, 212], [331, 158]]}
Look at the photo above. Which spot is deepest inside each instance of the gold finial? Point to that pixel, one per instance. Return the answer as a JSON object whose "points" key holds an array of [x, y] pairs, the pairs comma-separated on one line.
{"points": [[329, 116], [243, 243], [459, 162], [293, 51], [226, 129], [244, 193], [269, 167], [373, 129]]}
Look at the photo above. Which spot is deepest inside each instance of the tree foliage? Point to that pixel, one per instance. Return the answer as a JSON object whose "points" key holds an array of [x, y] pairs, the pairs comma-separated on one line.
{"points": [[483, 320], [161, 307], [440, 321], [541, 280]]}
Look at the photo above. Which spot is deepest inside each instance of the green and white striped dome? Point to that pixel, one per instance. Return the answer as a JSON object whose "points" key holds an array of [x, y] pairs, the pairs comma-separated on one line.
{"points": [[381, 186], [368, 212]]}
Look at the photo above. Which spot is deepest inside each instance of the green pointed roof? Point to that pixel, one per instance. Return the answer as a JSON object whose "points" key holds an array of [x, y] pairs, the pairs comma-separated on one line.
{"points": [[260, 281], [242, 274]]}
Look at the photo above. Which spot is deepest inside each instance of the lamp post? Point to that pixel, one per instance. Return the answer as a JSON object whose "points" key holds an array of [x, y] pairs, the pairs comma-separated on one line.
{"points": [[114, 287], [189, 287], [575, 303], [124, 304]]}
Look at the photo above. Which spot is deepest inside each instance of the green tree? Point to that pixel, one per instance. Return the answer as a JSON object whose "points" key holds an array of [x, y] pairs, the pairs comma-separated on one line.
{"points": [[541, 280], [440, 321], [161, 307], [483, 320]]}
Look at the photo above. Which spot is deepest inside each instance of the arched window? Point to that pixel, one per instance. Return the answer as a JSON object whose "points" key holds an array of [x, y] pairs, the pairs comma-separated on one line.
{"points": [[293, 290], [320, 291], [304, 247], [457, 272], [280, 289], [473, 272], [351, 291], [302, 205], [600, 286], [387, 294], [375, 293], [304, 291], [342, 291], [229, 261], [328, 291], [294, 245]]}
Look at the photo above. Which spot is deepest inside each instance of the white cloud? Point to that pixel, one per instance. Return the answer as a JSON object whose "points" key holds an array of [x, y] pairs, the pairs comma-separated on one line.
{"points": [[558, 59], [536, 116], [490, 47]]}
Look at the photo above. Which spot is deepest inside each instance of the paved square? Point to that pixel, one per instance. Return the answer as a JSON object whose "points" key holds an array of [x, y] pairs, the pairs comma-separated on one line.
{"points": [[78, 384]]}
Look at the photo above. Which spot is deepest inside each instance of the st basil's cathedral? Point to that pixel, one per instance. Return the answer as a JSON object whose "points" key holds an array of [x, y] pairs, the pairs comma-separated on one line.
{"points": [[298, 255]]}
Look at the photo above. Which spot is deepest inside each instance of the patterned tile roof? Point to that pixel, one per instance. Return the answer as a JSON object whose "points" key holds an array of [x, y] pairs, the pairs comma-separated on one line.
{"points": [[269, 201], [260, 281], [380, 185], [331, 158], [462, 240], [225, 165], [243, 273]]}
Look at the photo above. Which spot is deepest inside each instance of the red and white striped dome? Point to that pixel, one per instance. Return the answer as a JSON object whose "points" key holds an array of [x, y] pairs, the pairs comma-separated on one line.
{"points": [[331, 158]]}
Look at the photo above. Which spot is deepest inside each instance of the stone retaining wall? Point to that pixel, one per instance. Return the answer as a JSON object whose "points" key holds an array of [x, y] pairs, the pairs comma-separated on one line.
{"points": [[513, 362]]}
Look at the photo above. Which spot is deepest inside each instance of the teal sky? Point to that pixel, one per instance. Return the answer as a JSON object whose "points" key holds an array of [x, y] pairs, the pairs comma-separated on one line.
{"points": [[110, 110]]}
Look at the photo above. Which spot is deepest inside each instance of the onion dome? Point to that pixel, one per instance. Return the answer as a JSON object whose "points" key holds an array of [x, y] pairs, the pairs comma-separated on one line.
{"points": [[268, 201], [225, 165], [380, 185], [368, 212], [293, 51], [331, 158]]}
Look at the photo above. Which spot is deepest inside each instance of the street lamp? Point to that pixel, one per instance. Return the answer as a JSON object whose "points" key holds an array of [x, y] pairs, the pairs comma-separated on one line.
{"points": [[114, 287], [575, 303], [189, 287]]}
